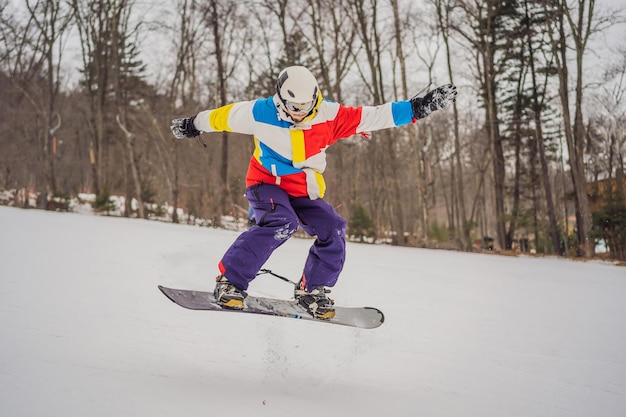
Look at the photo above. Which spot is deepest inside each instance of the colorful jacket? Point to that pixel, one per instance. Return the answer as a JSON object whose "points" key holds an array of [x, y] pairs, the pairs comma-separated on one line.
{"points": [[293, 155]]}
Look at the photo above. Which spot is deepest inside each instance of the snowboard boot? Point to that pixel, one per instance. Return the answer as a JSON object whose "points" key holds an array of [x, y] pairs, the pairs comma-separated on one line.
{"points": [[316, 302], [227, 295]]}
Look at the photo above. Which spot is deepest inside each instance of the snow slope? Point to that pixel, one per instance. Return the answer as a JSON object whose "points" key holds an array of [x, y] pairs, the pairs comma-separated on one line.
{"points": [[84, 330]]}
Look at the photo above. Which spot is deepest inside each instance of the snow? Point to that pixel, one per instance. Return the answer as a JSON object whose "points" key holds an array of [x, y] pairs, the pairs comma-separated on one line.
{"points": [[85, 332]]}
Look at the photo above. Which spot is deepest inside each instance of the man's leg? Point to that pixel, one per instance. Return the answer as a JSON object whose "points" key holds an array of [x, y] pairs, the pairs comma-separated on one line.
{"points": [[276, 222], [328, 253]]}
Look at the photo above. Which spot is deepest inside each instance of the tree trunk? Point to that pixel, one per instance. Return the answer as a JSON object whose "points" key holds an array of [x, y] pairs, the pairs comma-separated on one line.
{"points": [[443, 17], [575, 136]]}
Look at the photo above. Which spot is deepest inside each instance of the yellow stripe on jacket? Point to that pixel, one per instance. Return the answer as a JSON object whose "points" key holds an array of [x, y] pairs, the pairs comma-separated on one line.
{"points": [[218, 118], [297, 145]]}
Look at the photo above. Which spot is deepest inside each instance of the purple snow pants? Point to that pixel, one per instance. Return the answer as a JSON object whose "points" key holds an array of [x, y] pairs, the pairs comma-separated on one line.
{"points": [[278, 216]]}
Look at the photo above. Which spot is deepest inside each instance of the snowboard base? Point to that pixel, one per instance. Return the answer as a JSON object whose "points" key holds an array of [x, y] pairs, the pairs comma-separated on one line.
{"points": [[360, 317]]}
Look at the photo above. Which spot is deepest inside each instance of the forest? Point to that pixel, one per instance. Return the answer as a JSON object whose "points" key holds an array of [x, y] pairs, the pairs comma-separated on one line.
{"points": [[529, 158]]}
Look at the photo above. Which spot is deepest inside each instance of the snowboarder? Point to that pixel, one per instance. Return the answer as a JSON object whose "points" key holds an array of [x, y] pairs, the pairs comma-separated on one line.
{"points": [[284, 183]]}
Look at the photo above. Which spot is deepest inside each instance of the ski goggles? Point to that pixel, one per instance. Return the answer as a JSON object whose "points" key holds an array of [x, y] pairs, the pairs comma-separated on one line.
{"points": [[299, 108]]}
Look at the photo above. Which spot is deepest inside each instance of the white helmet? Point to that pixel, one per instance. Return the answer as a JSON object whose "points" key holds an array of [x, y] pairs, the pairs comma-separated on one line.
{"points": [[297, 89]]}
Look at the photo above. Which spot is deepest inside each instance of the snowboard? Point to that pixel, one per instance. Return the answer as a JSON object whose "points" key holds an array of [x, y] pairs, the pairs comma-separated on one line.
{"points": [[360, 317]]}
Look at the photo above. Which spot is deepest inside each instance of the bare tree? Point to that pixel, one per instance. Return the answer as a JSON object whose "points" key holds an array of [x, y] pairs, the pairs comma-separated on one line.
{"points": [[538, 105], [33, 59], [445, 22], [94, 23], [576, 22], [482, 17], [227, 47], [189, 33], [134, 167], [384, 153], [112, 79]]}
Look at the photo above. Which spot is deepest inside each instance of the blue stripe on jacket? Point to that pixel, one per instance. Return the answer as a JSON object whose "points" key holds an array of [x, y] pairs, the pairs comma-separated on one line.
{"points": [[402, 112], [264, 111], [282, 165]]}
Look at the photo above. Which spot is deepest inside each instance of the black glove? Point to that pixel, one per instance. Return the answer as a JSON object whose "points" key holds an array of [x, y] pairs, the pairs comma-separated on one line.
{"points": [[184, 128], [437, 99]]}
